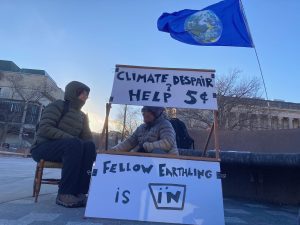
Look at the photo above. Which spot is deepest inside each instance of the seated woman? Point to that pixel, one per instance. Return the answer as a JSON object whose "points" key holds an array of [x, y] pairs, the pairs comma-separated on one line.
{"points": [[155, 135]]}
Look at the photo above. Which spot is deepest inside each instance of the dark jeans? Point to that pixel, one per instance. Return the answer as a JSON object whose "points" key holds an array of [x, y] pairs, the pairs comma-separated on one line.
{"points": [[77, 157]]}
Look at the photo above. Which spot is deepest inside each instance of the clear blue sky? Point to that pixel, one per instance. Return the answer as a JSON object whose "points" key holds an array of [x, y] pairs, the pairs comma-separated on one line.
{"points": [[83, 40]]}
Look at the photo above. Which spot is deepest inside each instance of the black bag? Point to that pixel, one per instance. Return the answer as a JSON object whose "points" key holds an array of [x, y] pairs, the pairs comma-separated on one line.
{"points": [[183, 139]]}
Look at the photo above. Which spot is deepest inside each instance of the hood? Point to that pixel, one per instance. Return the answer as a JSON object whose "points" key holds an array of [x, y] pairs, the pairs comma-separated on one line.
{"points": [[157, 113], [156, 121], [72, 91]]}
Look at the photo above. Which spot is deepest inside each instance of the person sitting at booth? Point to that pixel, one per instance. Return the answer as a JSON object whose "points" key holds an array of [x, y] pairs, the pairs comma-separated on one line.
{"points": [[63, 135], [155, 135]]}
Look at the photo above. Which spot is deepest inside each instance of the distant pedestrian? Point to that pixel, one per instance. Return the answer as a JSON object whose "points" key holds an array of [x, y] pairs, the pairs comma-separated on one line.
{"points": [[63, 135]]}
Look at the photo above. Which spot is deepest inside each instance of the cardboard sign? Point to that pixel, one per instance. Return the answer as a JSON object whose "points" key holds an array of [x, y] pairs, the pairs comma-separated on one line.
{"points": [[156, 189], [164, 87]]}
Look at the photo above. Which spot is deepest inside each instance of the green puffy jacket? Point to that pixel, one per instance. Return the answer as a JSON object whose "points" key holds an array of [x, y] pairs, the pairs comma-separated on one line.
{"points": [[73, 124]]}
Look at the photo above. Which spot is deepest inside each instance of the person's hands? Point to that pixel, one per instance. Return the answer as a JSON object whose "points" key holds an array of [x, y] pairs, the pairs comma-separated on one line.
{"points": [[146, 146], [113, 149], [141, 148]]}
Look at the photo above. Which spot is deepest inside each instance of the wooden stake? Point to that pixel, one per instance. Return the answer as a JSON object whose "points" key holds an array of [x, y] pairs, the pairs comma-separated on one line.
{"points": [[108, 107], [208, 139], [104, 135]]}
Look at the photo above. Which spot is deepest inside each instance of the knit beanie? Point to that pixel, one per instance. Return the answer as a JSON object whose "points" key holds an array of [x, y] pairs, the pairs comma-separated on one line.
{"points": [[156, 111]]}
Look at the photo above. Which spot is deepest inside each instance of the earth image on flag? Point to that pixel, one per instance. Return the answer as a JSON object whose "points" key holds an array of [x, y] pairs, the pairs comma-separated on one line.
{"points": [[204, 26]]}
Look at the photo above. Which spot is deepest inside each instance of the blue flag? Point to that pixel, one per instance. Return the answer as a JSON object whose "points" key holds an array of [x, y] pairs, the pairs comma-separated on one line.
{"points": [[221, 24]]}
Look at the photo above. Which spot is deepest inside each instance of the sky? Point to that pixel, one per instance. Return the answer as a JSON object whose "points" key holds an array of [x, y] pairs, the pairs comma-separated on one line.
{"points": [[84, 40]]}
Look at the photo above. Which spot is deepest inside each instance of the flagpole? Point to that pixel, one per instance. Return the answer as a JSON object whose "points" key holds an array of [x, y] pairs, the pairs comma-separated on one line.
{"points": [[261, 73], [259, 65]]}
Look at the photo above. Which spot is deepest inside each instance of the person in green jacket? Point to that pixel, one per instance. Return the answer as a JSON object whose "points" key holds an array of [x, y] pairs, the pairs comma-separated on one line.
{"points": [[63, 135]]}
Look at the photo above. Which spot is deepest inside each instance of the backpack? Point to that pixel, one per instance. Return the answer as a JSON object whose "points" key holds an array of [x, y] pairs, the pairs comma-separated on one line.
{"points": [[183, 139], [63, 113]]}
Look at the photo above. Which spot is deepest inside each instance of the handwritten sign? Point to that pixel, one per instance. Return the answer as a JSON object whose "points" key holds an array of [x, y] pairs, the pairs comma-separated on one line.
{"points": [[156, 189], [165, 87]]}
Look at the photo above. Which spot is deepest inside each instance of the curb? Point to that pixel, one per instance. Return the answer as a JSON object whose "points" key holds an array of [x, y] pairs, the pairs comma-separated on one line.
{"points": [[14, 154]]}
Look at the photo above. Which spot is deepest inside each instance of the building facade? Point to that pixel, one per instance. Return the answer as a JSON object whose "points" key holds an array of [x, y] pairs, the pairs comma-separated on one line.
{"points": [[247, 114], [23, 95]]}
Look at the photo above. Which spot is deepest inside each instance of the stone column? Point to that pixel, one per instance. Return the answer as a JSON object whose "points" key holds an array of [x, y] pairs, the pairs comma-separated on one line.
{"points": [[259, 122], [290, 123], [269, 122], [280, 124], [21, 131]]}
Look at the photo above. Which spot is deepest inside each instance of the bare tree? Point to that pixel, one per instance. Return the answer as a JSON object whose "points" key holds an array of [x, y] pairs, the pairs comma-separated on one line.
{"points": [[128, 119], [235, 95], [238, 94], [20, 91], [28, 94]]}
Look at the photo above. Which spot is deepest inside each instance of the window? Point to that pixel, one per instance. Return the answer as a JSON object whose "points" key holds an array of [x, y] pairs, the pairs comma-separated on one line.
{"points": [[243, 121], [264, 122]]}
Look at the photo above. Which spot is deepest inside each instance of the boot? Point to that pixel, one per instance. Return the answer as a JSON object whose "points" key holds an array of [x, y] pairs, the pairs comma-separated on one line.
{"points": [[69, 201], [82, 197]]}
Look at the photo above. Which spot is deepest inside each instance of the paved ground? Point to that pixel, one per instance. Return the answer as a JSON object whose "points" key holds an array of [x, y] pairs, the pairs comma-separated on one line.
{"points": [[17, 206]]}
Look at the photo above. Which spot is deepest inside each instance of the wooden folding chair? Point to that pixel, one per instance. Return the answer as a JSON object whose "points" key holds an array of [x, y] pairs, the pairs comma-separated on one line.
{"points": [[38, 179]]}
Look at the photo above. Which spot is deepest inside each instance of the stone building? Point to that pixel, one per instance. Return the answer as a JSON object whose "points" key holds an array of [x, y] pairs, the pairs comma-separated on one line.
{"points": [[23, 95], [247, 114]]}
